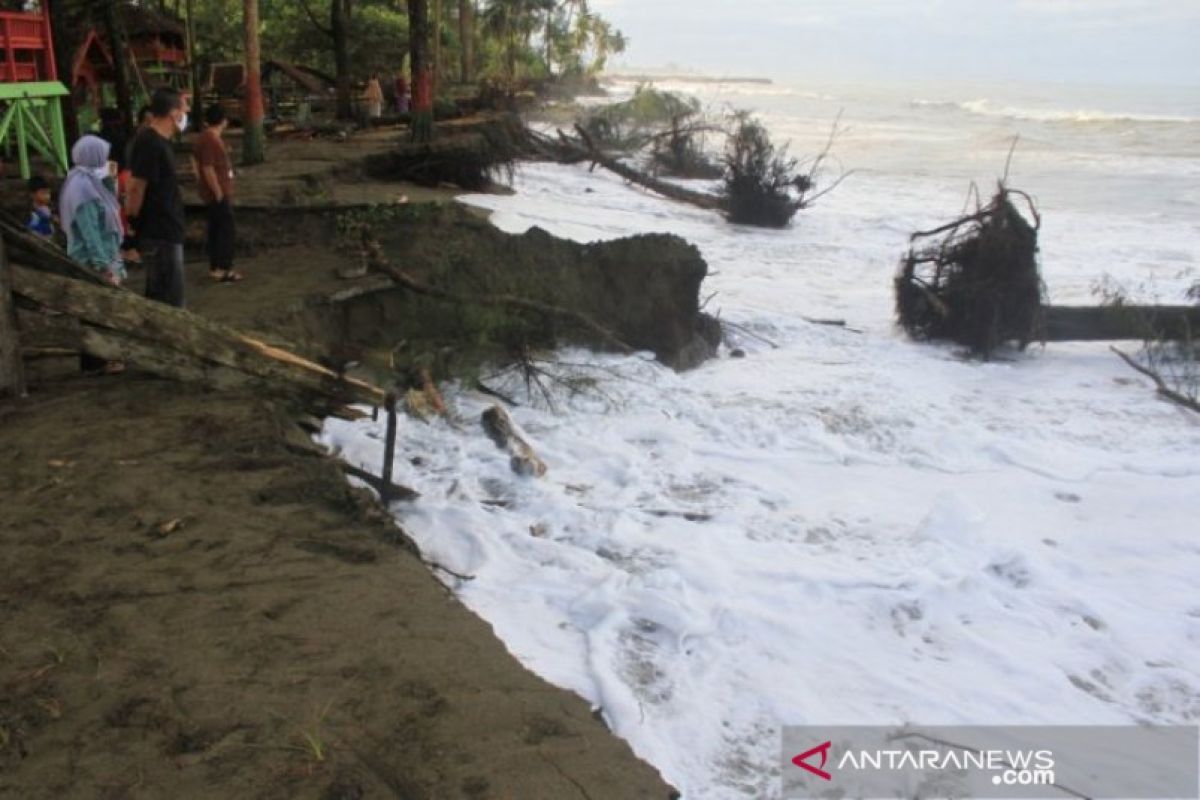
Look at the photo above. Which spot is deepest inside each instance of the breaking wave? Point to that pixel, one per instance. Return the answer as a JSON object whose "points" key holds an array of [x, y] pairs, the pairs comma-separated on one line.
{"points": [[987, 108]]}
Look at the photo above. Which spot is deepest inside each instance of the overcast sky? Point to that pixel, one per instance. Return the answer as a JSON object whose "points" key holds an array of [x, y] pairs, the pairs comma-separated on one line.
{"points": [[1094, 41]]}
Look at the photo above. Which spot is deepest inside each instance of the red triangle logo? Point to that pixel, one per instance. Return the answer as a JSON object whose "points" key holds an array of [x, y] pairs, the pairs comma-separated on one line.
{"points": [[801, 761]]}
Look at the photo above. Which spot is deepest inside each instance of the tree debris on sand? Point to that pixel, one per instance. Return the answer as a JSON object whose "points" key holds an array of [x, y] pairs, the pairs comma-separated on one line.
{"points": [[975, 281]]}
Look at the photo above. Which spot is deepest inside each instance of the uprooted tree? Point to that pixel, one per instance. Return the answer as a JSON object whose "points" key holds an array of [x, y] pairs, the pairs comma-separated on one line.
{"points": [[976, 282], [657, 133]]}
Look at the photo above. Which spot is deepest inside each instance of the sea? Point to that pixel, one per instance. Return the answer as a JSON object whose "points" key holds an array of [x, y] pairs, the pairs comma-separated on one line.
{"points": [[845, 526]]}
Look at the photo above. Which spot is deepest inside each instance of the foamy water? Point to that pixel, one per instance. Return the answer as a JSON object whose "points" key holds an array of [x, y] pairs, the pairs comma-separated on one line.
{"points": [[848, 528]]}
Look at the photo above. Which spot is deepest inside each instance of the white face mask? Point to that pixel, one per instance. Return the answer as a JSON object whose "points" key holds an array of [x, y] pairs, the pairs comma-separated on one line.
{"points": [[182, 122], [100, 172]]}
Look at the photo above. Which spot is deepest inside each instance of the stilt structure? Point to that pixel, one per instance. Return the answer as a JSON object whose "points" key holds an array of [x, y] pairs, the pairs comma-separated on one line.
{"points": [[31, 119]]}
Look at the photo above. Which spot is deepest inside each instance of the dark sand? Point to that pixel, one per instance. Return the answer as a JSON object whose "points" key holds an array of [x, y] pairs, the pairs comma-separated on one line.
{"points": [[194, 607]]}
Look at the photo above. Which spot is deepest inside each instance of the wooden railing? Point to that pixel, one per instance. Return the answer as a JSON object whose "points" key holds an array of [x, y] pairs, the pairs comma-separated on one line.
{"points": [[26, 47]]}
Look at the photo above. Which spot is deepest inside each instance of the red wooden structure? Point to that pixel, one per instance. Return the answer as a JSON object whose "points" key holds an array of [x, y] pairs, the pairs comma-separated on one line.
{"points": [[26, 47], [31, 119]]}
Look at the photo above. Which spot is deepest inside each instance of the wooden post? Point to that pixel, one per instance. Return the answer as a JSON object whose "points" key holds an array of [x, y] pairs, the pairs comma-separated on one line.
{"points": [[12, 371], [389, 448]]}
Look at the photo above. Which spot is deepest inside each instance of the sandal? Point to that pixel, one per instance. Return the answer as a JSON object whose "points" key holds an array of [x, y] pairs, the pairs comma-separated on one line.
{"points": [[226, 276]]}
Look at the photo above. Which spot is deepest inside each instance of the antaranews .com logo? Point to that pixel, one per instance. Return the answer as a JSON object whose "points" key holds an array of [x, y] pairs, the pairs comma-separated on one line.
{"points": [[1129, 762]]}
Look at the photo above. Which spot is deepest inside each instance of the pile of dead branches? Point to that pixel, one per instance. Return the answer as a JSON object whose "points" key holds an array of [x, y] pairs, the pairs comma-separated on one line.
{"points": [[975, 281]]}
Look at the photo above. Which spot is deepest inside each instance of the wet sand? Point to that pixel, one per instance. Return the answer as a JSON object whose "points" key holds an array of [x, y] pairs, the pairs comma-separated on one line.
{"points": [[197, 605]]}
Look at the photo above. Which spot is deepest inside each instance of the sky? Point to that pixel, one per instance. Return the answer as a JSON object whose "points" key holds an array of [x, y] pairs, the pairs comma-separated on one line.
{"points": [[1114, 42]]}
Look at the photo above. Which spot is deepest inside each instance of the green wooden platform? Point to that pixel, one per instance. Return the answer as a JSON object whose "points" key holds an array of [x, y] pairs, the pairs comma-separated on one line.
{"points": [[31, 120]]}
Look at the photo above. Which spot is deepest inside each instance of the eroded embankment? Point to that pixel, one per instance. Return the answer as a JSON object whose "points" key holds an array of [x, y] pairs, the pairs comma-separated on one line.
{"points": [[644, 291], [195, 603]]}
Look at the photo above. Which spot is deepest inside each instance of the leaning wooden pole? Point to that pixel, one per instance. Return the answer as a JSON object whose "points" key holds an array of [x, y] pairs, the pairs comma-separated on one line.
{"points": [[12, 371]]}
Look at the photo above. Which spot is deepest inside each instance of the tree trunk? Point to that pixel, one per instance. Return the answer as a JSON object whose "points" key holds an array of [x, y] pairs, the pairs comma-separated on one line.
{"points": [[586, 150], [119, 325], [422, 72], [119, 51], [437, 43], [253, 143], [193, 65], [466, 40], [65, 32], [12, 371], [339, 25], [1116, 323]]}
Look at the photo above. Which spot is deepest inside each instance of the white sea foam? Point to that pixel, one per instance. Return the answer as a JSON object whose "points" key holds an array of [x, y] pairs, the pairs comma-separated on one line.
{"points": [[849, 527], [988, 108]]}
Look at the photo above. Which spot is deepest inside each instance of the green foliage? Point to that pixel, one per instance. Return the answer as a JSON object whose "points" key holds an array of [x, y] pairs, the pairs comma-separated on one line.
{"points": [[762, 183], [629, 124], [514, 39]]}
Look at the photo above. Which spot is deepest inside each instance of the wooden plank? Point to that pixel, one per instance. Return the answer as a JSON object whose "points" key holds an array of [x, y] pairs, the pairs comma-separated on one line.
{"points": [[12, 369], [28, 250], [182, 344]]}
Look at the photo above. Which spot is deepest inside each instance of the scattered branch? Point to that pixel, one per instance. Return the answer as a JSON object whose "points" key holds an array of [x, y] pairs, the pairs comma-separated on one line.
{"points": [[1164, 390]]}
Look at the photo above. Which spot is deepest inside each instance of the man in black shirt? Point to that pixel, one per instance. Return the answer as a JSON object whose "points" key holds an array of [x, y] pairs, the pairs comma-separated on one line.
{"points": [[153, 202]]}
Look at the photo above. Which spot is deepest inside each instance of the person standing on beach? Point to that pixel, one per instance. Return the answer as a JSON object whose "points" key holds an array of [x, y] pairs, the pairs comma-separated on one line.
{"points": [[154, 203], [374, 97], [401, 93], [91, 218], [215, 174]]}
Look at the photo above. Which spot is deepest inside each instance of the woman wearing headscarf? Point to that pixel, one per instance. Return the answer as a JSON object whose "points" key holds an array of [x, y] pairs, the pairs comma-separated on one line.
{"points": [[91, 218]]}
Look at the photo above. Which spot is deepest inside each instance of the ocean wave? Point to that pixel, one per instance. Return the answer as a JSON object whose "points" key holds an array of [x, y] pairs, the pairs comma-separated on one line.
{"points": [[987, 108]]}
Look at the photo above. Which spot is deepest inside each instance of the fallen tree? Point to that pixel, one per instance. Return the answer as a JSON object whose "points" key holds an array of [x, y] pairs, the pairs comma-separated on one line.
{"points": [[976, 281], [761, 184], [111, 323]]}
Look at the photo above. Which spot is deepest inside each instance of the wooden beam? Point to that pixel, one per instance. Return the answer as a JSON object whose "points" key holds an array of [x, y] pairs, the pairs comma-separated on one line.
{"points": [[12, 370], [116, 324]]}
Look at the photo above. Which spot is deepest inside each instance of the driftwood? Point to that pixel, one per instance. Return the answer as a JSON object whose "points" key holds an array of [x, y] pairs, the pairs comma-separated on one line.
{"points": [[12, 369], [503, 431]]}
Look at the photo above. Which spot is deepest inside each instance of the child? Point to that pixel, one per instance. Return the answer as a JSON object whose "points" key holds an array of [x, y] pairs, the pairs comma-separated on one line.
{"points": [[41, 218]]}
